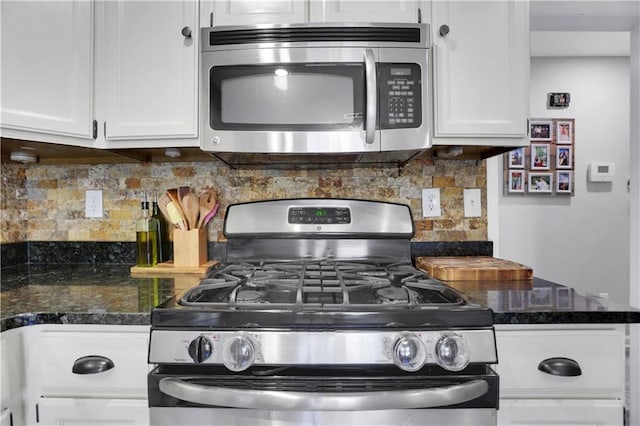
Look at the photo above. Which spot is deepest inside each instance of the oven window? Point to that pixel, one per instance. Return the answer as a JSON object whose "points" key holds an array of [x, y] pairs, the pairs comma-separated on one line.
{"points": [[287, 97]]}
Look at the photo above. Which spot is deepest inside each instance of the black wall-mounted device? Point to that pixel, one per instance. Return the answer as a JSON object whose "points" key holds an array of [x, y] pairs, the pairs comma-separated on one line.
{"points": [[558, 100]]}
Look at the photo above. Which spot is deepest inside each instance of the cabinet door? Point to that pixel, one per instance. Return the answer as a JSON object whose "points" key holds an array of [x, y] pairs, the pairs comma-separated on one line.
{"points": [[95, 412], [251, 12], [47, 67], [481, 69], [151, 70], [363, 11]]}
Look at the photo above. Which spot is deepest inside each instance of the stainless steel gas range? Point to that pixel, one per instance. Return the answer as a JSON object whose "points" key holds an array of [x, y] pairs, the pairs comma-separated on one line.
{"points": [[319, 317]]}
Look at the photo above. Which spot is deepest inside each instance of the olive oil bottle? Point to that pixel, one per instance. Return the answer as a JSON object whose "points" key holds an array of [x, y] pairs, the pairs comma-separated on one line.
{"points": [[146, 237], [164, 247]]}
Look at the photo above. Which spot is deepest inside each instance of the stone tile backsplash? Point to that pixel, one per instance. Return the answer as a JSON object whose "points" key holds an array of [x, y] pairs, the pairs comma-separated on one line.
{"points": [[46, 202]]}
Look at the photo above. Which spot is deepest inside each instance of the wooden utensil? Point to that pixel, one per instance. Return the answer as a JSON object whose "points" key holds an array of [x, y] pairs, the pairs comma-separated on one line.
{"points": [[182, 191], [162, 205], [191, 209], [207, 203], [210, 215], [175, 216]]}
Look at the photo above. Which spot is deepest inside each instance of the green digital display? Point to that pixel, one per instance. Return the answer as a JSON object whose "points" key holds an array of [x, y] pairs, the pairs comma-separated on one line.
{"points": [[320, 213]]}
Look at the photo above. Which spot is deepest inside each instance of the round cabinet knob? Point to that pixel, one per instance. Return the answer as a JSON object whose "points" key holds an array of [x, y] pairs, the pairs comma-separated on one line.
{"points": [[444, 30], [200, 349], [452, 352], [186, 31], [239, 353], [409, 353]]}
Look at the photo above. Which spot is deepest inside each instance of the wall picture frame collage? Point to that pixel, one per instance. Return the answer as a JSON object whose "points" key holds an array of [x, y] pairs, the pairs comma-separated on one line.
{"points": [[546, 166]]}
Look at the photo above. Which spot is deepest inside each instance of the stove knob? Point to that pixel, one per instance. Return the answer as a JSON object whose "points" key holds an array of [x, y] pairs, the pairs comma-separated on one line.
{"points": [[452, 352], [239, 353], [409, 353], [200, 349]]}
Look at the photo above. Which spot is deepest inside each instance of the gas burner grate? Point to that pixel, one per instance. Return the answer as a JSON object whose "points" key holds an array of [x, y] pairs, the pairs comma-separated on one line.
{"points": [[319, 285]]}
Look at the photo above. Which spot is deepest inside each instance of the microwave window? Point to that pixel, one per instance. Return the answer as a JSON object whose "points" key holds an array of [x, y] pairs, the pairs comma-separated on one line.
{"points": [[287, 97]]}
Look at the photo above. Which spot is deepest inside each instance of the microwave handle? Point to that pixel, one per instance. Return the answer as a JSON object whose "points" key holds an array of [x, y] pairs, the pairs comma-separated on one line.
{"points": [[323, 401], [372, 94]]}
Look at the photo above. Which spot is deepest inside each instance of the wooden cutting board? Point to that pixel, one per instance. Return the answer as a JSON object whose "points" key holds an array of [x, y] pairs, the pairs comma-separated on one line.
{"points": [[473, 268]]}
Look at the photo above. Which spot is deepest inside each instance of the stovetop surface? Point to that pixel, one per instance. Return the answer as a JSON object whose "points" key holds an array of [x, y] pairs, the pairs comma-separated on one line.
{"points": [[320, 294], [320, 285]]}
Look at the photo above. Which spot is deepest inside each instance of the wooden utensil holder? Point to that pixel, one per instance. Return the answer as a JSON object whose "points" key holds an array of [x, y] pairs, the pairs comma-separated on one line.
{"points": [[190, 247]]}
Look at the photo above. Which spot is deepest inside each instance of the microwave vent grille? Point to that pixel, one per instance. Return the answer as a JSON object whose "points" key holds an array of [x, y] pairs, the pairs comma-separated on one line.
{"points": [[315, 34]]}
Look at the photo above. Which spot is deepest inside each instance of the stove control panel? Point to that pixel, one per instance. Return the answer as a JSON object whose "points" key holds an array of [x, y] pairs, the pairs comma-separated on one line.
{"points": [[319, 215], [409, 350]]}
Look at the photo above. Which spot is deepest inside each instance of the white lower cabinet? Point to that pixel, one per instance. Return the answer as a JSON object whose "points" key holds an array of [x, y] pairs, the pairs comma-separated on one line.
{"points": [[86, 374], [540, 383], [96, 412], [6, 418]]}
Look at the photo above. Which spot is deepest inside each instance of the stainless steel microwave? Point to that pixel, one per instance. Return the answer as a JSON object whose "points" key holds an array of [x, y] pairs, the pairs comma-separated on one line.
{"points": [[316, 89]]}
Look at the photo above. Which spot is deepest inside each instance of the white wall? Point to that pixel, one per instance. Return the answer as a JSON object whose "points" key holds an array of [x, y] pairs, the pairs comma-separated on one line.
{"points": [[580, 241]]}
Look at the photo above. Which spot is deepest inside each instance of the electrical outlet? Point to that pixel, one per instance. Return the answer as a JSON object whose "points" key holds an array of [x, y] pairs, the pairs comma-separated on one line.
{"points": [[472, 203], [93, 203], [431, 202]]}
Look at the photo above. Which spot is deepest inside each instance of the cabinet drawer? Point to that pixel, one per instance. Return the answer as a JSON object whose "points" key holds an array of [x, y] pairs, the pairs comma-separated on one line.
{"points": [[127, 350], [539, 412], [598, 352]]}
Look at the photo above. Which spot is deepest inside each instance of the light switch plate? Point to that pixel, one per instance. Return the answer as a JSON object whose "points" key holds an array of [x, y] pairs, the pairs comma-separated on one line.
{"points": [[472, 203], [93, 203], [431, 202]]}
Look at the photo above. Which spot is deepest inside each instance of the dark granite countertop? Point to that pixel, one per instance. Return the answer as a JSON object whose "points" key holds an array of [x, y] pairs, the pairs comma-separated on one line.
{"points": [[78, 294], [107, 294]]}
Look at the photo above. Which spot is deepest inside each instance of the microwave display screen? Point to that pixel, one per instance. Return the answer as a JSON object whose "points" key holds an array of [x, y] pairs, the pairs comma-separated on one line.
{"points": [[306, 96]]}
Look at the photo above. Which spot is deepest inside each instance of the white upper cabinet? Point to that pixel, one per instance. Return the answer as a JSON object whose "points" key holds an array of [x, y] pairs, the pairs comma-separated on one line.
{"points": [[363, 11], [251, 12], [481, 72], [47, 68], [151, 91]]}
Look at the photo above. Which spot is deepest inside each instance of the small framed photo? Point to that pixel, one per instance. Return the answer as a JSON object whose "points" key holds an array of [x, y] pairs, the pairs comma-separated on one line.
{"points": [[563, 157], [540, 182], [516, 181], [541, 130], [516, 158], [564, 132], [540, 156], [563, 182]]}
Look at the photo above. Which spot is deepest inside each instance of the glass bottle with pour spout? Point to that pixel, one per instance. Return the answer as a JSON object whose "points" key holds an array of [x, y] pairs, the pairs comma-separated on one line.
{"points": [[146, 237], [164, 248]]}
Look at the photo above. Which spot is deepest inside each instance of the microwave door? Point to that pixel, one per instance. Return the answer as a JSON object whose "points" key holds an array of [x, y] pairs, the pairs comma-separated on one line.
{"points": [[290, 100]]}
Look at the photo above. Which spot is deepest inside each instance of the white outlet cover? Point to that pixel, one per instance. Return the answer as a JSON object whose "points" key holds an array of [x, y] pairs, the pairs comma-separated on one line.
{"points": [[93, 203], [431, 202], [472, 203]]}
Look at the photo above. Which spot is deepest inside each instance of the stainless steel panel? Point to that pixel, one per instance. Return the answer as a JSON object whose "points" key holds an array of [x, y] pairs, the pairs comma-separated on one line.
{"points": [[367, 218], [314, 348], [323, 401], [279, 249], [171, 416]]}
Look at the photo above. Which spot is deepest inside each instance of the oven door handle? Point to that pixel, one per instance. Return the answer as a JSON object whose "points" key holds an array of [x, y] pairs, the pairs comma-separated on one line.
{"points": [[323, 401], [372, 94]]}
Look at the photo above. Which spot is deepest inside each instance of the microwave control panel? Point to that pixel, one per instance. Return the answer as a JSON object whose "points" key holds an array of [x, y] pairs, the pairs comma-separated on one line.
{"points": [[400, 95]]}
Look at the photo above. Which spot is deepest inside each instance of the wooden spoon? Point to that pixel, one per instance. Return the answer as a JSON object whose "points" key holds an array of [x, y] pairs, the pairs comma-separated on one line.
{"points": [[191, 209], [182, 191], [176, 216], [207, 203], [162, 205]]}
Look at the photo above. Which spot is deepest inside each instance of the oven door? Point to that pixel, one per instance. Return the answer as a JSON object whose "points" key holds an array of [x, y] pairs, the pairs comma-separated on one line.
{"points": [[322, 397]]}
